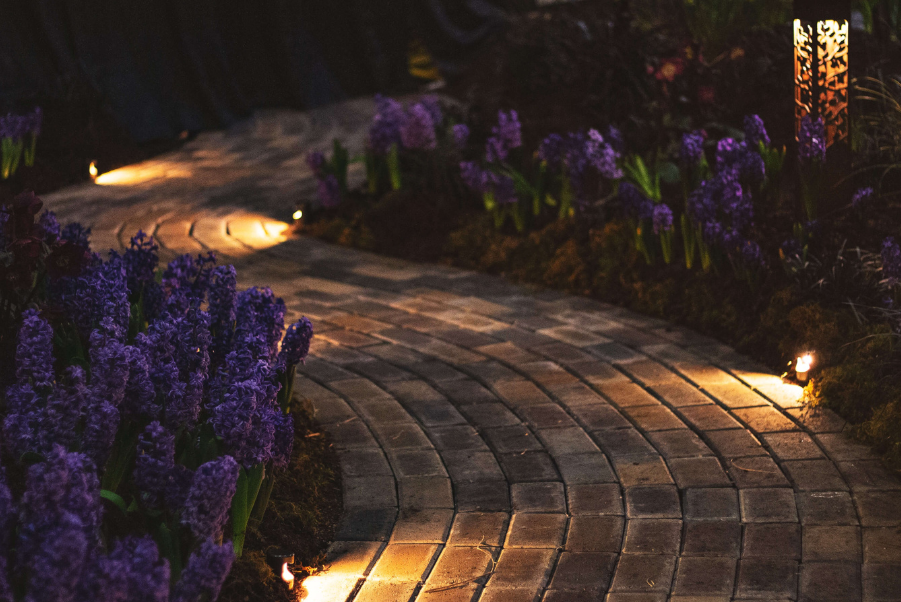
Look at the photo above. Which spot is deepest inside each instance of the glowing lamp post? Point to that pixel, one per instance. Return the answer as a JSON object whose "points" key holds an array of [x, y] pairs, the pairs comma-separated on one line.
{"points": [[821, 65]]}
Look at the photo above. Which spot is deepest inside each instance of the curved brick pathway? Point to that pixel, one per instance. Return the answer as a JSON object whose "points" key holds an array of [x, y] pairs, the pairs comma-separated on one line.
{"points": [[501, 444]]}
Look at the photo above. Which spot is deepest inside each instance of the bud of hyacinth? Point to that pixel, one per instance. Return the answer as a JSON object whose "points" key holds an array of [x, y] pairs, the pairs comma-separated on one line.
{"points": [[210, 497], [49, 227], [76, 234], [153, 464], [296, 344], [692, 151], [205, 573], [418, 130], [316, 161], [461, 135], [34, 351], [891, 259], [862, 197], [812, 140], [662, 218], [329, 191], [755, 131]]}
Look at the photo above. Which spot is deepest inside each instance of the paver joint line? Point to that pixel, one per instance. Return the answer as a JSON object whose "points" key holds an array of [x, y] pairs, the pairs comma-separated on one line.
{"points": [[582, 448]]}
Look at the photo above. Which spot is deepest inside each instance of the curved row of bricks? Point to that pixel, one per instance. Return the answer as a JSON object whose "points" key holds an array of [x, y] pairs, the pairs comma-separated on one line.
{"points": [[502, 444]]}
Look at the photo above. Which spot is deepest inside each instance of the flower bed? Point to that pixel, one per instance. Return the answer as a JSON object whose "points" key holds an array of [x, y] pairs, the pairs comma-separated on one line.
{"points": [[736, 231], [147, 416]]}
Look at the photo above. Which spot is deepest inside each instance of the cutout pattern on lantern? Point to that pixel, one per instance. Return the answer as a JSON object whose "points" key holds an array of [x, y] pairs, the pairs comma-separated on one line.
{"points": [[821, 75]]}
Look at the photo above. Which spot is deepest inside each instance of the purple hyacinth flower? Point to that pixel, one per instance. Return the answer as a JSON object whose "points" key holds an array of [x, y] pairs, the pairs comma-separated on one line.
{"points": [[34, 351], [64, 409], [296, 344], [891, 259], [316, 161], [385, 129], [283, 444], [141, 260], [76, 234], [210, 497], [109, 368], [812, 140], [205, 572], [49, 227], [418, 130], [751, 254], [260, 319], [461, 135], [755, 131], [602, 156], [132, 572], [729, 153], [551, 149], [471, 174], [178, 486], [862, 197], [140, 395], [329, 191], [101, 425], [692, 150], [432, 104], [56, 564], [223, 301], [662, 218], [752, 167], [635, 204], [63, 485], [154, 463], [506, 135]]}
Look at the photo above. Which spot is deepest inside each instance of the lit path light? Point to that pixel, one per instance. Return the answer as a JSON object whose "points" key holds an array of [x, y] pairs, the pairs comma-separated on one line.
{"points": [[142, 173], [256, 231]]}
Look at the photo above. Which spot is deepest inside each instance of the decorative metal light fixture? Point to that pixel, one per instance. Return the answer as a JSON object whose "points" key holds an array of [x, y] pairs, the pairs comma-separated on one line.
{"points": [[821, 65], [279, 560]]}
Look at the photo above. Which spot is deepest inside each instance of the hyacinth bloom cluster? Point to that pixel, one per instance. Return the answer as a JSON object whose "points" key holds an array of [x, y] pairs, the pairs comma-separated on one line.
{"points": [[691, 153], [811, 140], [722, 207], [560, 176], [18, 139], [179, 403], [862, 197], [413, 129]]}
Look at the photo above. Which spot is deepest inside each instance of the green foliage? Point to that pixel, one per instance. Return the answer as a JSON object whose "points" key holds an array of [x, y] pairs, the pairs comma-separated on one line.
{"points": [[716, 25]]}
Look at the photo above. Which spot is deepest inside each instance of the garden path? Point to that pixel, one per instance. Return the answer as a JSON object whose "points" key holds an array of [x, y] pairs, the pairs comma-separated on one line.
{"points": [[503, 444]]}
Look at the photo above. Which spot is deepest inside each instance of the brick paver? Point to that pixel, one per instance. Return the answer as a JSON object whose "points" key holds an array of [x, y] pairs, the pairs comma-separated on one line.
{"points": [[499, 443]]}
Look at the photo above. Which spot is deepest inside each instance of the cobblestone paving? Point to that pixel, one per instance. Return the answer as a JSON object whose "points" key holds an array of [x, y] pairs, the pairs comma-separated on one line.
{"points": [[502, 444]]}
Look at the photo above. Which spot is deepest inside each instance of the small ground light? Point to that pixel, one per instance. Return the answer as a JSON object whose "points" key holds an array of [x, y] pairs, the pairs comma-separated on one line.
{"points": [[279, 560], [802, 367], [92, 169], [297, 214]]}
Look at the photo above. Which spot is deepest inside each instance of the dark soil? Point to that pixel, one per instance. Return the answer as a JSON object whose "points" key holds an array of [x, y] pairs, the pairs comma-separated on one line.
{"points": [[302, 515]]}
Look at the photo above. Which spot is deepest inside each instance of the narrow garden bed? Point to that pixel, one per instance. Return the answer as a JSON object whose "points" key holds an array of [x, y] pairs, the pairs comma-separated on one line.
{"points": [[681, 202]]}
